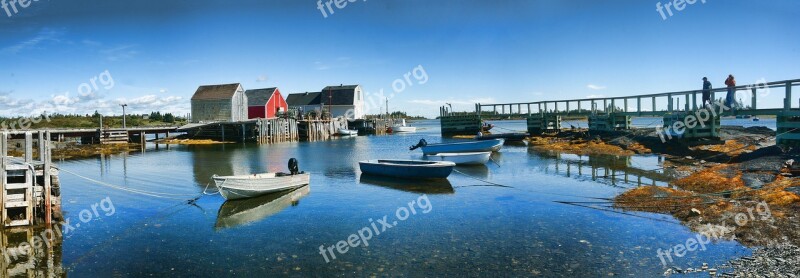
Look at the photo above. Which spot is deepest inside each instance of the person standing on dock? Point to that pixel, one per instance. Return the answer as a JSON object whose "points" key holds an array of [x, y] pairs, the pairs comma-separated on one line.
{"points": [[706, 91], [731, 83]]}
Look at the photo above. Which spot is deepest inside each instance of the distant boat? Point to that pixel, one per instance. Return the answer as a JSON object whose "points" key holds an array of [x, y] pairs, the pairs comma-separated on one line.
{"points": [[509, 137], [756, 119], [402, 127], [408, 169], [476, 158], [492, 145], [743, 116], [248, 186], [348, 132], [242, 212], [486, 127]]}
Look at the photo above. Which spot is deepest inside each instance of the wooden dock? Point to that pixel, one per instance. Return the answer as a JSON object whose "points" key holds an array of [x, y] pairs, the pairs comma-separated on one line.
{"points": [[614, 113], [29, 183]]}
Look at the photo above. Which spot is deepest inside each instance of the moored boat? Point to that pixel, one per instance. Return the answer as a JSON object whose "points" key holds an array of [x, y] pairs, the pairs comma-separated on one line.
{"points": [[402, 127], [248, 186], [348, 132], [408, 169], [492, 145], [476, 158]]}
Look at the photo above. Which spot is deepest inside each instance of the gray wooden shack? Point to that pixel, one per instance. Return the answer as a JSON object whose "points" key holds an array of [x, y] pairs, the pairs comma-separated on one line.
{"points": [[219, 103]]}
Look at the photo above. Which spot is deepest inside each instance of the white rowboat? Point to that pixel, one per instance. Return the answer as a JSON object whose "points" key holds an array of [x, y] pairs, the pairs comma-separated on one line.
{"points": [[348, 132], [248, 186], [474, 158]]}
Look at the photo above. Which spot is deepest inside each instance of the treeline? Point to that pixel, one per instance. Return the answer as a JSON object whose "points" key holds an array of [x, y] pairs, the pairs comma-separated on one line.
{"points": [[58, 120], [395, 115]]}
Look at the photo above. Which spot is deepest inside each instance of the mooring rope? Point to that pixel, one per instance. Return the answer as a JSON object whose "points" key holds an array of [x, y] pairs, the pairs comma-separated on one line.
{"points": [[137, 191], [533, 191]]}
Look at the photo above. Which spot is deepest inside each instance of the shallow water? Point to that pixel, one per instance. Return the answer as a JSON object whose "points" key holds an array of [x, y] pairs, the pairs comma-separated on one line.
{"points": [[530, 219]]}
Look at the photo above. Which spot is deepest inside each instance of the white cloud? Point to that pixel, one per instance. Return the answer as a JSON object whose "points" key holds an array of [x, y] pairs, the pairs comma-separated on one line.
{"points": [[595, 96], [119, 53], [595, 87], [44, 35], [261, 78]]}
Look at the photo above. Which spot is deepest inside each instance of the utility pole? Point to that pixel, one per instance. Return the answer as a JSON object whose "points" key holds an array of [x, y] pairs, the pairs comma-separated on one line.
{"points": [[123, 115], [387, 107]]}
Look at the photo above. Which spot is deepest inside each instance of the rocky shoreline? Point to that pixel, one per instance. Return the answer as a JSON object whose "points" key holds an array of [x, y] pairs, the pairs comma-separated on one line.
{"points": [[713, 182]]}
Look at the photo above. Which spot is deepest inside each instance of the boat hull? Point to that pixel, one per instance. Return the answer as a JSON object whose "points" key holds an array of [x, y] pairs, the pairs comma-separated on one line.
{"points": [[407, 169], [401, 129], [242, 187], [477, 158], [347, 132], [492, 145]]}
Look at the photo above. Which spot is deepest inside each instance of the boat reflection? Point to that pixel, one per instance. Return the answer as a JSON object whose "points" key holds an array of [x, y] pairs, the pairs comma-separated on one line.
{"points": [[476, 171], [437, 186], [242, 212], [31, 252]]}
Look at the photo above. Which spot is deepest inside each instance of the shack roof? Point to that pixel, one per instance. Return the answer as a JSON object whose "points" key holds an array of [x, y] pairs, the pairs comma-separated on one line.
{"points": [[216, 92], [259, 97]]}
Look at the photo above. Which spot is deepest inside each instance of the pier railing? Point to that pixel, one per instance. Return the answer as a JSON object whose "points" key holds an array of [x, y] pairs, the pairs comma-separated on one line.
{"points": [[644, 105]]}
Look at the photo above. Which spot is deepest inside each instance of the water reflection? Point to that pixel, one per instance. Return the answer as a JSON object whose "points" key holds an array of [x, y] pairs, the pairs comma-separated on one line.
{"points": [[242, 212], [31, 252], [439, 186], [610, 169], [475, 171]]}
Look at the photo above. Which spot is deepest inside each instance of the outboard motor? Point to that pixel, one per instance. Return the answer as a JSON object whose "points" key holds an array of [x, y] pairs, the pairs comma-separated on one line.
{"points": [[421, 143], [293, 168]]}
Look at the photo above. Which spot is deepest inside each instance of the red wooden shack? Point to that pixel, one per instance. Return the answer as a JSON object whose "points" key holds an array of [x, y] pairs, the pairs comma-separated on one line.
{"points": [[265, 103]]}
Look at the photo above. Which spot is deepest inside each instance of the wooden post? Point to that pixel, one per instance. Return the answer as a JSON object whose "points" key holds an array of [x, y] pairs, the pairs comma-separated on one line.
{"points": [[639, 106], [44, 153], [694, 100], [3, 178], [579, 107], [654, 104], [787, 102], [670, 103], [613, 106], [625, 104], [753, 99], [529, 110], [28, 147], [687, 103]]}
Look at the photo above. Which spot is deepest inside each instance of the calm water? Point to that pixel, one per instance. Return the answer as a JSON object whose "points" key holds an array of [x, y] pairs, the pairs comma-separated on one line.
{"points": [[471, 228]]}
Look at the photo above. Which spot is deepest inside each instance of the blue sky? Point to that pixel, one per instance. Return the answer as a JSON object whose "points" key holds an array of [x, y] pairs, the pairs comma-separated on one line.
{"points": [[158, 52]]}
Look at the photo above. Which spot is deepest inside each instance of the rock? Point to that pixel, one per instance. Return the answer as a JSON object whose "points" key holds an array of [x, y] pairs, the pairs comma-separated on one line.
{"points": [[757, 180], [695, 212], [689, 157], [794, 189], [789, 162]]}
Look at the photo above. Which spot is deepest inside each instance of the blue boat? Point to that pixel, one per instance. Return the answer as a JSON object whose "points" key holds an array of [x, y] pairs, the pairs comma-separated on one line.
{"points": [[407, 169], [492, 145]]}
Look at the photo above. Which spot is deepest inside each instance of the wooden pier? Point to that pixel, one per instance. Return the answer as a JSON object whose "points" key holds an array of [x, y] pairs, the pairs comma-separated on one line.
{"points": [[614, 113], [29, 182]]}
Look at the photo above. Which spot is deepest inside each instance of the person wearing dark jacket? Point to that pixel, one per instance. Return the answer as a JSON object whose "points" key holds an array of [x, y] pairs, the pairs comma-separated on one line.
{"points": [[706, 91]]}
